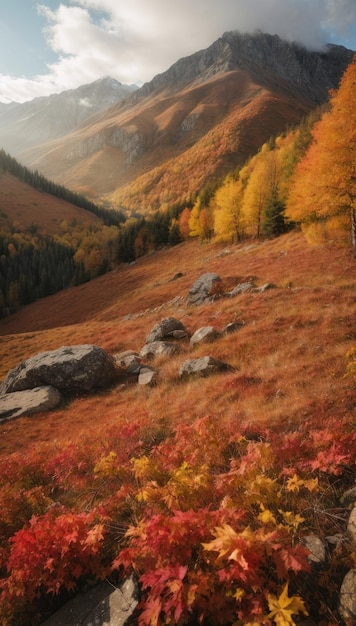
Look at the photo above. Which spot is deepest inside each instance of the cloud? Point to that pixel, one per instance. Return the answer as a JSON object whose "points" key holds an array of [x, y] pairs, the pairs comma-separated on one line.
{"points": [[133, 41]]}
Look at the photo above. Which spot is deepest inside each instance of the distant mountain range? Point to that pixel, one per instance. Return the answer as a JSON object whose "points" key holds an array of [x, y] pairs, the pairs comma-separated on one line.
{"points": [[202, 117], [41, 119]]}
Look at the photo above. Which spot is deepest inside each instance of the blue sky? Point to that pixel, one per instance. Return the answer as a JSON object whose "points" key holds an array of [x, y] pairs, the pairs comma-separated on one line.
{"points": [[48, 46]]}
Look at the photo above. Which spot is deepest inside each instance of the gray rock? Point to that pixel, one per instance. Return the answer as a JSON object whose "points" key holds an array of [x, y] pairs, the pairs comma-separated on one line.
{"points": [[28, 402], [205, 289], [347, 607], [316, 547], [203, 366], [70, 369], [349, 497], [351, 526], [127, 358], [147, 376], [168, 328], [155, 348], [104, 605], [233, 327], [207, 334], [241, 288]]}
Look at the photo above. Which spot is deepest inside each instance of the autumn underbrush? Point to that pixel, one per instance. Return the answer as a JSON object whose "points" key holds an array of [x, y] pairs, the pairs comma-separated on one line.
{"points": [[205, 490]]}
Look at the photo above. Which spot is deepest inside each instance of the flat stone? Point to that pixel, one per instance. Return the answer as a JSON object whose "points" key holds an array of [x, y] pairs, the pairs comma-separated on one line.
{"points": [[203, 366], [207, 334], [28, 402], [147, 376], [103, 605]]}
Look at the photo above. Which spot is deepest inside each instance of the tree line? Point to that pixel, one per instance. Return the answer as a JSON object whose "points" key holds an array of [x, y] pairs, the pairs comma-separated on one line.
{"points": [[110, 217]]}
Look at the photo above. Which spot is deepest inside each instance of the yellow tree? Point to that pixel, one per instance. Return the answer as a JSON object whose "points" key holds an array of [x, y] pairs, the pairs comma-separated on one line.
{"points": [[228, 219], [195, 225], [261, 189], [323, 191]]}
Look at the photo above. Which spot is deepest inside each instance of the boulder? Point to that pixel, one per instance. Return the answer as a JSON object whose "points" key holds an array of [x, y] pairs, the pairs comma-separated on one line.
{"points": [[69, 369], [347, 608], [155, 348], [168, 328], [127, 358], [28, 402], [207, 334], [205, 289], [351, 525], [349, 497], [233, 327], [241, 288], [104, 605], [203, 366]]}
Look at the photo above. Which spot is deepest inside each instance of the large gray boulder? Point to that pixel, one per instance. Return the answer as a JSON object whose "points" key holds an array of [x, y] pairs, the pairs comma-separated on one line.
{"points": [[71, 369], [28, 402], [203, 366], [168, 328], [205, 289]]}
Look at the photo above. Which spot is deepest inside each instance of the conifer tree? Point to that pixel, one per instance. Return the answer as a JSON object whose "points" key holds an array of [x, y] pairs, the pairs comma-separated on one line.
{"points": [[323, 192]]}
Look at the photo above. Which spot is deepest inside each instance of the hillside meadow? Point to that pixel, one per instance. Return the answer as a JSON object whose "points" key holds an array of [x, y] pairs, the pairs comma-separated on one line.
{"points": [[291, 358]]}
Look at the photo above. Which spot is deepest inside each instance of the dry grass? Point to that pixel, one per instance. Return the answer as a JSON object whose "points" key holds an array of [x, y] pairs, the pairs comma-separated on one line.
{"points": [[290, 356]]}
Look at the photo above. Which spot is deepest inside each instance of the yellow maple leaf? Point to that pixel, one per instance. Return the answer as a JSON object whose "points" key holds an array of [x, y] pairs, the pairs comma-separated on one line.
{"points": [[284, 607], [266, 516], [292, 519]]}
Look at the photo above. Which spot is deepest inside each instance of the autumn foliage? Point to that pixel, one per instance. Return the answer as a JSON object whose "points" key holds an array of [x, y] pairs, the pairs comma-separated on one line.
{"points": [[211, 520]]}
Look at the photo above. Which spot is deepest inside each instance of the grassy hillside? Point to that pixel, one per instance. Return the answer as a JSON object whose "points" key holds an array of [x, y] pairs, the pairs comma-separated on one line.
{"points": [[293, 345], [22, 206], [112, 454]]}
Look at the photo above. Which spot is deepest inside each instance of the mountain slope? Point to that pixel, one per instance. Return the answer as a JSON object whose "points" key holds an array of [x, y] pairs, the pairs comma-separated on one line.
{"points": [[203, 116], [41, 119]]}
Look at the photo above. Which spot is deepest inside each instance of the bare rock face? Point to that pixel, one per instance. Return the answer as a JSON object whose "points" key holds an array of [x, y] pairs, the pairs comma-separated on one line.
{"points": [[71, 369], [168, 328], [205, 288], [203, 366], [28, 402]]}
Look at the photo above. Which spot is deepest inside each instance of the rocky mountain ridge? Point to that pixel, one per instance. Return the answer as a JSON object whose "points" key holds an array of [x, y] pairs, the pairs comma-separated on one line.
{"points": [[314, 72], [30, 123], [195, 122]]}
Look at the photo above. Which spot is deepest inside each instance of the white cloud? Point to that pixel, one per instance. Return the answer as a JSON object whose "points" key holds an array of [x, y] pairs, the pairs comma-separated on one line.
{"points": [[133, 41]]}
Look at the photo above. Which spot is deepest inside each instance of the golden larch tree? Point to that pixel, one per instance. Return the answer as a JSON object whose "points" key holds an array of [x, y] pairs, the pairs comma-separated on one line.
{"points": [[322, 195]]}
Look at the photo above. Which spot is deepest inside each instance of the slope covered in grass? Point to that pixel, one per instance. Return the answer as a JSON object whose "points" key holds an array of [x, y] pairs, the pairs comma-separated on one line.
{"points": [[216, 453]]}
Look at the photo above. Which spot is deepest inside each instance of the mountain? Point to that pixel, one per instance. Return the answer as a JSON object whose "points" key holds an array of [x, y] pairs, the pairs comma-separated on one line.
{"points": [[41, 119], [202, 117]]}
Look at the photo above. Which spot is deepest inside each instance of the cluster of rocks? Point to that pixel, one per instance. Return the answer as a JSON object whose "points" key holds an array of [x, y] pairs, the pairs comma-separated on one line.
{"points": [[39, 383]]}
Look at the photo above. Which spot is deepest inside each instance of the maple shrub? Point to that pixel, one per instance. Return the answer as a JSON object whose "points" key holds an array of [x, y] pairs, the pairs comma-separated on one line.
{"points": [[210, 518]]}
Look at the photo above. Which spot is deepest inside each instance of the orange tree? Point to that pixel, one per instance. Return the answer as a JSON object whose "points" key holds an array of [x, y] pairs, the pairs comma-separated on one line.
{"points": [[323, 192]]}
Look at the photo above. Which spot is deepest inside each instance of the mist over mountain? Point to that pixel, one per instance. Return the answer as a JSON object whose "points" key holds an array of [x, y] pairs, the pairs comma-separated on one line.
{"points": [[30, 123], [202, 117]]}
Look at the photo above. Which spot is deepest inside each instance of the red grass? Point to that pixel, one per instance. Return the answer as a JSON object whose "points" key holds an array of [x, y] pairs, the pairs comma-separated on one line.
{"points": [[290, 357]]}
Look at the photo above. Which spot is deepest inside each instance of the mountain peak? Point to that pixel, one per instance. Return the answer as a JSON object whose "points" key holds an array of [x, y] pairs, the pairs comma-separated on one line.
{"points": [[266, 56]]}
